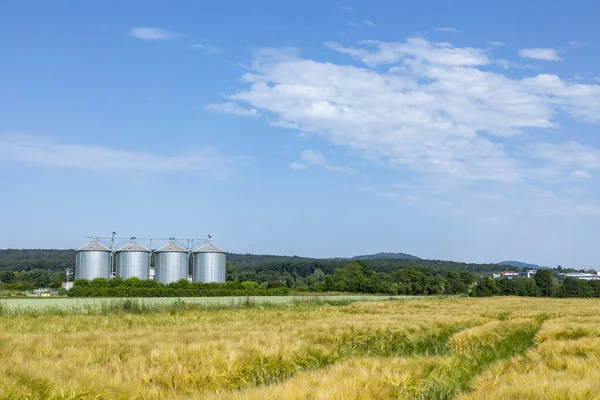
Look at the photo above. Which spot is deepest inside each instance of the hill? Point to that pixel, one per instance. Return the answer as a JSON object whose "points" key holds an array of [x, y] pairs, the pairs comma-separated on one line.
{"points": [[387, 256], [520, 264]]}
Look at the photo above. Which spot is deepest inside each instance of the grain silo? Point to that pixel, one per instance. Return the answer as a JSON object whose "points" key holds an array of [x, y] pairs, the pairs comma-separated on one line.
{"points": [[209, 264], [93, 260], [171, 263], [133, 261]]}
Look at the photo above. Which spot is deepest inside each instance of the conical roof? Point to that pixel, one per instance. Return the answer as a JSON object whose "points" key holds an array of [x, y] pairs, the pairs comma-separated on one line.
{"points": [[133, 246], [208, 248], [171, 248], [93, 246]]}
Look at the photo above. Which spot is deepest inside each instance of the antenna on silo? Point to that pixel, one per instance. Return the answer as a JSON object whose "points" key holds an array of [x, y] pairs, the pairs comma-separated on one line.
{"points": [[113, 267]]}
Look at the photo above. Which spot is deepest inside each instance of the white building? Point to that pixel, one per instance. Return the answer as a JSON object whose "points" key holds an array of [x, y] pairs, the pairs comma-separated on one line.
{"points": [[528, 274], [582, 275]]}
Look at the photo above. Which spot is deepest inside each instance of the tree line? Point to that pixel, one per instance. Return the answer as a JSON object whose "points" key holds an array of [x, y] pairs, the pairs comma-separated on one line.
{"points": [[545, 283], [384, 276], [357, 277]]}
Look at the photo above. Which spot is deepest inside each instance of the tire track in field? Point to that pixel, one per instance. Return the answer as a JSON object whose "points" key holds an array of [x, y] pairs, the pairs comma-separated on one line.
{"points": [[472, 361]]}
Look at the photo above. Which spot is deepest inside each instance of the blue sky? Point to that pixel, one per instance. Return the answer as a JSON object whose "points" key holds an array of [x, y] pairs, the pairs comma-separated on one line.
{"points": [[464, 131]]}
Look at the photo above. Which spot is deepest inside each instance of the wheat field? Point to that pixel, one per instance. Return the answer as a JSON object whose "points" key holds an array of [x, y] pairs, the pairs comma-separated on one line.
{"points": [[438, 348]]}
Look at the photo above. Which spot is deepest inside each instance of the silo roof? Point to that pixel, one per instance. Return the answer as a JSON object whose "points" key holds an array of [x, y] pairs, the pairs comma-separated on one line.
{"points": [[208, 248], [93, 246], [133, 246], [172, 248]]}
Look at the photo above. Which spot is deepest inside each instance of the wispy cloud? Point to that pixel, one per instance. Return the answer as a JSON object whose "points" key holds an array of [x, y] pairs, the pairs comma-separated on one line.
{"points": [[447, 29], [149, 33], [43, 151], [315, 158], [207, 48], [296, 166], [346, 8], [497, 43], [414, 47], [511, 64], [575, 43], [366, 22], [232, 108], [540, 54]]}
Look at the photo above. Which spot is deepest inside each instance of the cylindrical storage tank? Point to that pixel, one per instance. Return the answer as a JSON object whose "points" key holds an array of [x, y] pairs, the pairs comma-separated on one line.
{"points": [[133, 261], [92, 261], [171, 263], [209, 264]]}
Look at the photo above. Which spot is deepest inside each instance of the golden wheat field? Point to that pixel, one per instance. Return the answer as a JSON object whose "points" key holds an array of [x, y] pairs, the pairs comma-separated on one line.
{"points": [[450, 348]]}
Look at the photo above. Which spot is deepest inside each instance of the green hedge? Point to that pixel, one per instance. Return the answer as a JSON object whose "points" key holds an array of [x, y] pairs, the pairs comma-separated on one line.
{"points": [[134, 287]]}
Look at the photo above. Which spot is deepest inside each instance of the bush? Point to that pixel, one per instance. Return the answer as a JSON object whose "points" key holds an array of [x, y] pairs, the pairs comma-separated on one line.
{"points": [[20, 286]]}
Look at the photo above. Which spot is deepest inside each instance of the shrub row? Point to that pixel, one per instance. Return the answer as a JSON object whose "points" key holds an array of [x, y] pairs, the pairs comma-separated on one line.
{"points": [[134, 287]]}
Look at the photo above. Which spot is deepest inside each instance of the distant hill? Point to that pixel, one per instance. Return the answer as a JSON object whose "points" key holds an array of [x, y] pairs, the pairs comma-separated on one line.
{"points": [[27, 259], [387, 256], [520, 264]]}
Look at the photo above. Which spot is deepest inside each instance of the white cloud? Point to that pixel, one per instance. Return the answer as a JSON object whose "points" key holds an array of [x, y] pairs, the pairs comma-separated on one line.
{"points": [[437, 110], [414, 49], [569, 156], [346, 8], [503, 63], [497, 43], [366, 22], [540, 54], [580, 174], [315, 158], [232, 108], [44, 151], [148, 33], [338, 168], [207, 48], [506, 64], [447, 29], [298, 166], [580, 100]]}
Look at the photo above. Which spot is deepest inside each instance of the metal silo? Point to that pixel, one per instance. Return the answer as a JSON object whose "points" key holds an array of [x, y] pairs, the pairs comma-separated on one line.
{"points": [[171, 263], [209, 264], [133, 260], [92, 261]]}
